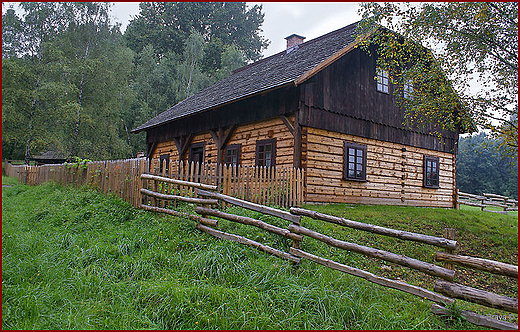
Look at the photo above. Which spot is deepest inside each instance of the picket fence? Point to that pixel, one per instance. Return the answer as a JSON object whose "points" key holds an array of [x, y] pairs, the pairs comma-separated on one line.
{"points": [[280, 186]]}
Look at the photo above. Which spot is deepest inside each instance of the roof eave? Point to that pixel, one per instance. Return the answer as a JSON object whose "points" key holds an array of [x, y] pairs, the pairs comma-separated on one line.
{"points": [[286, 84]]}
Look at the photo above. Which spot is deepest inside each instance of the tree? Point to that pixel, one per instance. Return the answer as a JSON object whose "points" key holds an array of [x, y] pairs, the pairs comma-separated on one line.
{"points": [[481, 167], [65, 83], [167, 25], [469, 41]]}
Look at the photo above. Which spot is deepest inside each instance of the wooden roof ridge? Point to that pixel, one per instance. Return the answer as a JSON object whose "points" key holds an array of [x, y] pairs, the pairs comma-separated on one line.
{"points": [[274, 72]]}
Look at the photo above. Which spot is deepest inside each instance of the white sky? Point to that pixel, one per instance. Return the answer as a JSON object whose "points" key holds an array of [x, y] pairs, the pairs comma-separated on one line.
{"points": [[308, 19]]}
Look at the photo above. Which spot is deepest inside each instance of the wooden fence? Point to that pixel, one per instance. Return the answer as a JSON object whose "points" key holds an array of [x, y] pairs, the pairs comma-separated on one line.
{"points": [[280, 186], [445, 289], [120, 177], [488, 200]]}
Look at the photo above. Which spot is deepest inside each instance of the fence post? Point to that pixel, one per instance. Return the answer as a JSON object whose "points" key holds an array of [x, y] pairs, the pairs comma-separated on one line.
{"points": [[296, 243], [450, 234]]}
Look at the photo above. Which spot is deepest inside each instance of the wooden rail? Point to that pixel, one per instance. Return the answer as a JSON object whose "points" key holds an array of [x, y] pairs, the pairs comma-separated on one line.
{"points": [[403, 235], [395, 284], [428, 268], [485, 200], [476, 318], [479, 264], [478, 296]]}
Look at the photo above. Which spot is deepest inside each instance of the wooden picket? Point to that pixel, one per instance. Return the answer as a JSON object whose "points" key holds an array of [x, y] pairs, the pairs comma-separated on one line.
{"points": [[280, 186]]}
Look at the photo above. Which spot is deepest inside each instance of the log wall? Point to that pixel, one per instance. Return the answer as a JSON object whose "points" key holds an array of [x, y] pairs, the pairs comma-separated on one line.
{"points": [[393, 176], [246, 135]]}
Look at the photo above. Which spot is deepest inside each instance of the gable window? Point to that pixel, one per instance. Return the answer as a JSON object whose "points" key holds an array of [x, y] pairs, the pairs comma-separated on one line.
{"points": [[382, 80], [431, 172], [196, 153], [164, 162], [232, 154], [355, 161], [408, 89], [265, 152]]}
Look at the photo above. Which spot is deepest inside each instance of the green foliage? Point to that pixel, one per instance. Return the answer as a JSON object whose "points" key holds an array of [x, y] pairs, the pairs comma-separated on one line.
{"points": [[71, 84], [482, 167], [470, 40], [167, 25], [75, 259]]}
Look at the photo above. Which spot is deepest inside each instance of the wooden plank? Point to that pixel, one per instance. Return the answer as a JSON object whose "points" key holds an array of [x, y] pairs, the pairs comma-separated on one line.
{"points": [[180, 198], [416, 264], [495, 196], [403, 235], [193, 217], [479, 264], [249, 221], [470, 203], [476, 319], [475, 295], [395, 284], [179, 182], [251, 206], [246, 241]]}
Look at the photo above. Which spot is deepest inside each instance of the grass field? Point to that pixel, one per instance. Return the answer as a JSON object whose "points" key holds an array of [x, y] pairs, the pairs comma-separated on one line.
{"points": [[75, 259]]}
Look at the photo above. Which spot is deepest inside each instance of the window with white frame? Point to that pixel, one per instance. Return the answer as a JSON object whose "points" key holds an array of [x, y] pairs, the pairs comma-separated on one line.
{"points": [[382, 80]]}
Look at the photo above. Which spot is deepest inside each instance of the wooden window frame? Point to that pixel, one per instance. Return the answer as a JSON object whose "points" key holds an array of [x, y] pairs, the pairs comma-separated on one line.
{"points": [[434, 161], [264, 142], [195, 146], [346, 162], [164, 157], [408, 89], [229, 148], [382, 81]]}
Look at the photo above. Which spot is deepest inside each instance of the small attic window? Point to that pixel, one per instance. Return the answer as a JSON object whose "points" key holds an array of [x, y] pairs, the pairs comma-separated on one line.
{"points": [[382, 80]]}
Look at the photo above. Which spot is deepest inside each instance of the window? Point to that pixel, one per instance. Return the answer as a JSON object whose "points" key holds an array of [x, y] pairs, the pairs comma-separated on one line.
{"points": [[196, 153], [355, 161], [164, 162], [431, 172], [232, 154], [408, 89], [265, 152], [382, 80]]}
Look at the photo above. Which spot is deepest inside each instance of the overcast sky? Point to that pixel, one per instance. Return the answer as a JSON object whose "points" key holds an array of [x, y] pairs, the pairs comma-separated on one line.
{"points": [[308, 19]]}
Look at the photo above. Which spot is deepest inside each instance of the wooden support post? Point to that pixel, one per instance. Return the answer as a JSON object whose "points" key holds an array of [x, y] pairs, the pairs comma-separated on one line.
{"points": [[449, 233]]}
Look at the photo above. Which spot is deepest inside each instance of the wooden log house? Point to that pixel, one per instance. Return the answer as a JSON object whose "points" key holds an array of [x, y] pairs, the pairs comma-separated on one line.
{"points": [[318, 106]]}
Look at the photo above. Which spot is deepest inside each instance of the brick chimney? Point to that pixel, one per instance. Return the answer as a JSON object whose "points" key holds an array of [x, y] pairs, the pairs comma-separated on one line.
{"points": [[293, 40]]}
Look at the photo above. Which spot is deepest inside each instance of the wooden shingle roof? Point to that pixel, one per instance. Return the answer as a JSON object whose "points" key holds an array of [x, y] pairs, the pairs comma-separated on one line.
{"points": [[270, 73]]}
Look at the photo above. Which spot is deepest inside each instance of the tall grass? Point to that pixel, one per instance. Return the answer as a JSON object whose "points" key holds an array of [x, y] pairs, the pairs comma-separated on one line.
{"points": [[75, 259]]}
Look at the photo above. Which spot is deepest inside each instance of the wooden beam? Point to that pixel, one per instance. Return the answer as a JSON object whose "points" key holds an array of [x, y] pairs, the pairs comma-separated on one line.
{"points": [[479, 264], [416, 264], [395, 284], [151, 148], [193, 217], [179, 182], [476, 319], [288, 124], [180, 198], [186, 143], [246, 241], [403, 235], [249, 221], [475, 295], [251, 206], [221, 138]]}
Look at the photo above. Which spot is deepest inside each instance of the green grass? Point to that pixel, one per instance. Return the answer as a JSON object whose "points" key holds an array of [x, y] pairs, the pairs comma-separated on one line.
{"points": [[75, 259]]}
